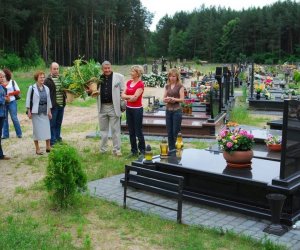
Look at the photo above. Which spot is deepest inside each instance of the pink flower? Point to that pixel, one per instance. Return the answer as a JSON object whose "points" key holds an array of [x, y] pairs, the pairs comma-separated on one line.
{"points": [[250, 136], [232, 137], [229, 144]]}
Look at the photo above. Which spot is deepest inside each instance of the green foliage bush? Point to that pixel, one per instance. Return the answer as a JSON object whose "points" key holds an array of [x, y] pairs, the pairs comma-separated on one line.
{"points": [[297, 76], [32, 56], [65, 176], [10, 61]]}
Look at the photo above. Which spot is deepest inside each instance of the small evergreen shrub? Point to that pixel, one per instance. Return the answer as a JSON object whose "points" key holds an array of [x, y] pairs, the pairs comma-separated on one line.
{"points": [[65, 176]]}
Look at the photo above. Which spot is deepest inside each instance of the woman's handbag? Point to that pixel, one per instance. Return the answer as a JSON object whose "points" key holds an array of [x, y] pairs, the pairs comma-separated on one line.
{"points": [[18, 97]]}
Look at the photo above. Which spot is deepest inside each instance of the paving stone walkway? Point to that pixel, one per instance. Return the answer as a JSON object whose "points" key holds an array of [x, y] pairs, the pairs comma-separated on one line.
{"points": [[192, 213]]}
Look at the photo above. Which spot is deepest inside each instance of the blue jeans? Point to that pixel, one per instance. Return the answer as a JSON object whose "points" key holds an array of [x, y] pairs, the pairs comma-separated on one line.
{"points": [[1, 126], [134, 118], [12, 109], [173, 122], [55, 124]]}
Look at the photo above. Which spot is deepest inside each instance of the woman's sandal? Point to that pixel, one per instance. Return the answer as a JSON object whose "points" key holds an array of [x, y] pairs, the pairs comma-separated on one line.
{"points": [[39, 153], [48, 150]]}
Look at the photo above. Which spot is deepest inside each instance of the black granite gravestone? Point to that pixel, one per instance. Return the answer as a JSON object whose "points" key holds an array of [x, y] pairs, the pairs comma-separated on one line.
{"points": [[290, 156]]}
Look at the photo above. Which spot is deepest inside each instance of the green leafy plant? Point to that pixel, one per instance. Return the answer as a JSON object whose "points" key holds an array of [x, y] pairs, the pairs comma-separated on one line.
{"points": [[65, 176], [76, 78]]}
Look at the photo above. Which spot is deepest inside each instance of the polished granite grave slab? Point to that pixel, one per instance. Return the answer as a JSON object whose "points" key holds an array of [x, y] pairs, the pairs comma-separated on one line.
{"points": [[208, 180], [214, 163]]}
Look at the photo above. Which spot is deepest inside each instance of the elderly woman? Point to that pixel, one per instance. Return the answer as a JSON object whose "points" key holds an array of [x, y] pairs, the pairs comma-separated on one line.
{"points": [[133, 95], [3, 99], [173, 96], [38, 104], [11, 107]]}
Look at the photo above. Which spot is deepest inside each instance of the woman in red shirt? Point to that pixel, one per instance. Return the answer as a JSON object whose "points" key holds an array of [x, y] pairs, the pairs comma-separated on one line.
{"points": [[133, 95]]}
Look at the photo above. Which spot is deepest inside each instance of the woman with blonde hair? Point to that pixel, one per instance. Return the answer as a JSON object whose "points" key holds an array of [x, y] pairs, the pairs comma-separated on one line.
{"points": [[173, 96], [133, 94], [38, 104]]}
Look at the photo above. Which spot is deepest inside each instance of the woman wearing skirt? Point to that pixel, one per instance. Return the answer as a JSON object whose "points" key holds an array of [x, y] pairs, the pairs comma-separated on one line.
{"points": [[38, 104]]}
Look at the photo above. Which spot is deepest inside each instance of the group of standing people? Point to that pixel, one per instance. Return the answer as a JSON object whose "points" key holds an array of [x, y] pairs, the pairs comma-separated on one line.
{"points": [[111, 94], [45, 103]]}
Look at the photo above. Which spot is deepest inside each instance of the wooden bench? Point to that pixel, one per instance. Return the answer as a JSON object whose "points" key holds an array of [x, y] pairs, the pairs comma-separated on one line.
{"points": [[154, 181]]}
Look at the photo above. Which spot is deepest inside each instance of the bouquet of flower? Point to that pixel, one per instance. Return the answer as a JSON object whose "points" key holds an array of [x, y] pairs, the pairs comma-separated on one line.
{"points": [[237, 139], [273, 140], [188, 103], [259, 87]]}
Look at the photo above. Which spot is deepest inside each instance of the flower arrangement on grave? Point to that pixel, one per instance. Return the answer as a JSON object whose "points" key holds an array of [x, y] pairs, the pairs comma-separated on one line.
{"points": [[232, 124], [76, 79], [236, 139], [155, 80], [267, 94], [273, 139], [273, 142], [268, 82], [259, 87], [187, 106]]}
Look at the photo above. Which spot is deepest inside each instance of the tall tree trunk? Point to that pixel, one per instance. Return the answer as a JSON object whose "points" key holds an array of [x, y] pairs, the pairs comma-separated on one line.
{"points": [[70, 35], [92, 34], [45, 23]]}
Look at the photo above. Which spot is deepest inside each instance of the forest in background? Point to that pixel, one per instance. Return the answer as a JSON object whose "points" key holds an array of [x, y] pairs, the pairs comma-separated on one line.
{"points": [[33, 32]]}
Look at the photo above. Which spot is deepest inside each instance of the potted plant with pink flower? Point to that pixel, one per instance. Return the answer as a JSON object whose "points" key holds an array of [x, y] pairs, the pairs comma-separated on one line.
{"points": [[273, 142], [237, 146]]}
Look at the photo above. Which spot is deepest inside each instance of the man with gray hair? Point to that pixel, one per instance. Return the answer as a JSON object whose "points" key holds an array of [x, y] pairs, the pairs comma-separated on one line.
{"points": [[109, 108]]}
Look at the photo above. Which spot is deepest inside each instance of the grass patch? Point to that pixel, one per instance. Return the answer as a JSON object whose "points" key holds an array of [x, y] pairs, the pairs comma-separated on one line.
{"points": [[17, 233], [240, 114], [79, 102]]}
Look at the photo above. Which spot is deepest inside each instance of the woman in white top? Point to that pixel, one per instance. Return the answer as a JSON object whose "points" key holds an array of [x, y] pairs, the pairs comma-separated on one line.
{"points": [[12, 89], [38, 104]]}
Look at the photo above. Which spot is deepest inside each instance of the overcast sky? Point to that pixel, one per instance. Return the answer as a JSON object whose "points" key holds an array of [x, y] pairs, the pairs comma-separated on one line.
{"points": [[163, 7]]}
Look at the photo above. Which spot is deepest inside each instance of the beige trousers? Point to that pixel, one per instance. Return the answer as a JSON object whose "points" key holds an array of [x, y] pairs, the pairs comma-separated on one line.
{"points": [[108, 118]]}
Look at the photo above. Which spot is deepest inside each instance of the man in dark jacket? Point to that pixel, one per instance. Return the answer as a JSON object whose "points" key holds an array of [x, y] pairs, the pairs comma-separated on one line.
{"points": [[58, 99]]}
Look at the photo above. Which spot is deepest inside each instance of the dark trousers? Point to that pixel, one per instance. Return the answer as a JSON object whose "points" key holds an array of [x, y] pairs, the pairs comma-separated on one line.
{"points": [[173, 122], [134, 117], [1, 126], [55, 124]]}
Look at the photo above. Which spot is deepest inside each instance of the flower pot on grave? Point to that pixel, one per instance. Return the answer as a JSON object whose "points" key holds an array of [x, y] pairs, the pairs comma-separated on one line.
{"points": [[274, 147], [238, 159], [190, 110], [257, 96]]}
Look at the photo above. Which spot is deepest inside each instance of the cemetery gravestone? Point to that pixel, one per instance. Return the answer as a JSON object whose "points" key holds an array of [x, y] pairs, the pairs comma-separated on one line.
{"points": [[290, 155]]}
